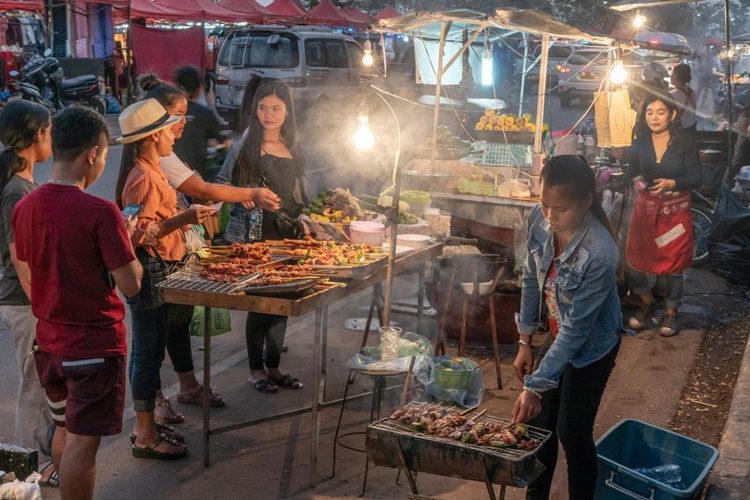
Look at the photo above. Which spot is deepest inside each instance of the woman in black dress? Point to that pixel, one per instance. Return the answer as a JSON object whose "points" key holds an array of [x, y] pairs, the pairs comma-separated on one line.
{"points": [[269, 158]]}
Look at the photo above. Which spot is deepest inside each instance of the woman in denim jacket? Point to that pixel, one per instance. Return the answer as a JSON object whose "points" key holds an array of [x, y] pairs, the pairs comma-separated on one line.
{"points": [[569, 290]]}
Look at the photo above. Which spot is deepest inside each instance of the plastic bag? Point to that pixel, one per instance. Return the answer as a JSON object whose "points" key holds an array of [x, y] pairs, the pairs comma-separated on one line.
{"points": [[729, 243], [410, 345], [463, 387], [22, 490], [221, 321]]}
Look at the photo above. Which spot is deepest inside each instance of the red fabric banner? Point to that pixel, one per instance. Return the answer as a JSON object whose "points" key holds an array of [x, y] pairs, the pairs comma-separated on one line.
{"points": [[163, 51]]}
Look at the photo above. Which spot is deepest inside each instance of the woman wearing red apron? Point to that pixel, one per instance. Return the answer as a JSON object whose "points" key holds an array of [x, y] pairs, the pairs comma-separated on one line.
{"points": [[664, 166]]}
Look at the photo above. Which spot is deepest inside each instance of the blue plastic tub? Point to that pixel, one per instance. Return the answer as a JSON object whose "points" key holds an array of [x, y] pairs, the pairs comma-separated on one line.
{"points": [[632, 444]]}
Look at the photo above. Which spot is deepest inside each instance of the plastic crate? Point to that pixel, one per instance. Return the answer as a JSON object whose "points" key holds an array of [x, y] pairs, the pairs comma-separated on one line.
{"points": [[632, 444]]}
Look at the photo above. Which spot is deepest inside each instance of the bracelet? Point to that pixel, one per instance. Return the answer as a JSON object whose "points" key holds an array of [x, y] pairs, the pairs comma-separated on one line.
{"points": [[527, 344], [532, 391]]}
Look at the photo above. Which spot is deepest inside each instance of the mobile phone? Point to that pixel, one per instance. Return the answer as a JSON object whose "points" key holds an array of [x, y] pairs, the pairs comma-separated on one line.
{"points": [[131, 211]]}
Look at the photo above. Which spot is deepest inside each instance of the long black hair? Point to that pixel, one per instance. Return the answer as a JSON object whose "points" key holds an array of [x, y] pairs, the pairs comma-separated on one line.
{"points": [[245, 172], [642, 129], [20, 123], [573, 174], [130, 154], [248, 95]]}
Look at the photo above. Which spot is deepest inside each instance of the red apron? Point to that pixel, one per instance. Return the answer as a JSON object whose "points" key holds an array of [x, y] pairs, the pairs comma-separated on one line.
{"points": [[660, 239]]}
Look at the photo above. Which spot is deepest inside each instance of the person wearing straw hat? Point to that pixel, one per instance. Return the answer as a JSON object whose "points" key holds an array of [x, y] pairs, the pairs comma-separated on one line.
{"points": [[159, 240]]}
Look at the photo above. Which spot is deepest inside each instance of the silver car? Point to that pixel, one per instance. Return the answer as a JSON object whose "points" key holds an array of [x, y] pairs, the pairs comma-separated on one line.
{"points": [[321, 67], [581, 75]]}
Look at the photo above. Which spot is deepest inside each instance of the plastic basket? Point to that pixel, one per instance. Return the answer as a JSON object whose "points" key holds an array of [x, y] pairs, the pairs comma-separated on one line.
{"points": [[632, 444]]}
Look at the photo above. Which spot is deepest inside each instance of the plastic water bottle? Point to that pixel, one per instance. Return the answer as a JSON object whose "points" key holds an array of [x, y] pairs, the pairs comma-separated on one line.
{"points": [[255, 232], [667, 473]]}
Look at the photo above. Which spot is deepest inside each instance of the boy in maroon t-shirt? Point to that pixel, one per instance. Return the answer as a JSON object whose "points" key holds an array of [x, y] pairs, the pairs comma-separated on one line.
{"points": [[71, 245]]}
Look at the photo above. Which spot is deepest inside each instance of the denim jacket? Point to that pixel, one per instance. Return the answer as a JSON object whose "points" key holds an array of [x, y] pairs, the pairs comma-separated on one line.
{"points": [[586, 295]]}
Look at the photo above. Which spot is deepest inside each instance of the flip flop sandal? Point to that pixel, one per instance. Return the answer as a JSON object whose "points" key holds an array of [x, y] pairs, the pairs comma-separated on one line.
{"points": [[170, 416], [166, 432], [195, 397], [264, 385], [289, 382], [150, 452], [53, 479]]}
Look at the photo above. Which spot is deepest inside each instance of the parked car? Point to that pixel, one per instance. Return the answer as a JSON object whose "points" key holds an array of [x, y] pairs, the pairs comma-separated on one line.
{"points": [[581, 75], [320, 66]]}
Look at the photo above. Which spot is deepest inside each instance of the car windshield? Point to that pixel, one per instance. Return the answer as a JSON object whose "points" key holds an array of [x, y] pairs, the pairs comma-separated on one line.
{"points": [[258, 50], [582, 58]]}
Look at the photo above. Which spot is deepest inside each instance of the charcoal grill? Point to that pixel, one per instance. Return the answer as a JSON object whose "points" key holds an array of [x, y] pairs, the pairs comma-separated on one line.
{"points": [[393, 445]]}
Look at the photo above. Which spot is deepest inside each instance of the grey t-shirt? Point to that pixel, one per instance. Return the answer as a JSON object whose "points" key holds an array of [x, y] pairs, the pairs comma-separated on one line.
{"points": [[11, 293]]}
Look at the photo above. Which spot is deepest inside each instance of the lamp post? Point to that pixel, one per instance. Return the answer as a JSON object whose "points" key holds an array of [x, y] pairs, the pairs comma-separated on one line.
{"points": [[364, 140], [728, 81]]}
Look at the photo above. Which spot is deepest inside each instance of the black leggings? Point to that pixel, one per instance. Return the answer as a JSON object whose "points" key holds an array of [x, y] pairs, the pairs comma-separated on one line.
{"points": [[178, 337], [268, 328], [569, 412]]}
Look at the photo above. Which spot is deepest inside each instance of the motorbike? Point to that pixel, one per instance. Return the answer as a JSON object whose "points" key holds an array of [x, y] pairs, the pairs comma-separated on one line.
{"points": [[42, 80]]}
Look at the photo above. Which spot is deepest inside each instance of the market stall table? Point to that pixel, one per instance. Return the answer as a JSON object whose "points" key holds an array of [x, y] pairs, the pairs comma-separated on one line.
{"points": [[318, 300]]}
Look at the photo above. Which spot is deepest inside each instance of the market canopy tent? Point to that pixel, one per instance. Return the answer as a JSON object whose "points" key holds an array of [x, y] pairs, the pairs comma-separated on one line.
{"points": [[283, 11], [183, 10], [327, 13], [388, 12], [26, 5], [250, 10], [356, 16], [647, 4], [163, 51]]}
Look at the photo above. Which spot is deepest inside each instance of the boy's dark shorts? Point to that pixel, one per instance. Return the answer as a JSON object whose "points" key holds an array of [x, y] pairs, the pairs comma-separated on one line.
{"points": [[85, 396]]}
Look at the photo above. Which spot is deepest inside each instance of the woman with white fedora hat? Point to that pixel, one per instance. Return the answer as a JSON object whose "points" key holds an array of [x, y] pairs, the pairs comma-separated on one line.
{"points": [[159, 239]]}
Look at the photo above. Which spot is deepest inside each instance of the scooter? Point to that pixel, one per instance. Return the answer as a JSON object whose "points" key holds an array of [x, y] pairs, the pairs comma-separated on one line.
{"points": [[42, 80]]}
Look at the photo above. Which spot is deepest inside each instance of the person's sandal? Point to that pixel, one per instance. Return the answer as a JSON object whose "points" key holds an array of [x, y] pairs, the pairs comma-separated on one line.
{"points": [[643, 317], [165, 432], [49, 476], [264, 385], [668, 325], [195, 397], [165, 414], [289, 382], [150, 452]]}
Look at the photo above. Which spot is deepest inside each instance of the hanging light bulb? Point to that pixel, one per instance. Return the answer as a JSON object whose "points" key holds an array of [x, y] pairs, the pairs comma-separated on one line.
{"points": [[619, 74], [367, 59], [639, 21], [486, 67], [363, 138]]}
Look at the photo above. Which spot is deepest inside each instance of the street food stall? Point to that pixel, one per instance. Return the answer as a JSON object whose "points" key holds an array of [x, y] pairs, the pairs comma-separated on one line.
{"points": [[490, 188]]}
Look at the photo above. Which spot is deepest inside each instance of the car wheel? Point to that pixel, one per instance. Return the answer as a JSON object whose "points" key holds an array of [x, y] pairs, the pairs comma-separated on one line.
{"points": [[701, 232]]}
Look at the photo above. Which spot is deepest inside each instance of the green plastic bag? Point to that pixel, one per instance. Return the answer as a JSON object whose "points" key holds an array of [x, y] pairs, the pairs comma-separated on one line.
{"points": [[221, 321]]}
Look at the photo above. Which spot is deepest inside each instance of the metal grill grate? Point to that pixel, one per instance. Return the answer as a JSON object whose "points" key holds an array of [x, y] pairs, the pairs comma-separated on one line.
{"points": [[510, 155], [191, 280], [513, 454]]}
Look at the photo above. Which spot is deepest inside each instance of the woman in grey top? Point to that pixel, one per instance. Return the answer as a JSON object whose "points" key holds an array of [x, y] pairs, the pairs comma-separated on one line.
{"points": [[25, 131]]}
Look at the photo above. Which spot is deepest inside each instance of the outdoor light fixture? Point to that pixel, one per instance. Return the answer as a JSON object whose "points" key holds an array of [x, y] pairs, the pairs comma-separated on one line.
{"points": [[486, 66], [367, 59], [363, 138], [639, 20], [619, 74]]}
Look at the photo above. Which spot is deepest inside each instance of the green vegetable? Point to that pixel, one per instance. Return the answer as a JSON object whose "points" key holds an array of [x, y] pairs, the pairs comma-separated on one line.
{"points": [[317, 210], [499, 444], [316, 203], [306, 211], [416, 426], [465, 437]]}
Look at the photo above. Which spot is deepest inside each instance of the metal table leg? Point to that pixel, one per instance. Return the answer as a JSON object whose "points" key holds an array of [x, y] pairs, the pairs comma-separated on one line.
{"points": [[324, 356], [316, 403], [206, 384], [420, 300]]}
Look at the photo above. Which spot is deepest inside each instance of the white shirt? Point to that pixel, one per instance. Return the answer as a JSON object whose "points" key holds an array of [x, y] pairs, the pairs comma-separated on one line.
{"points": [[176, 170], [687, 108]]}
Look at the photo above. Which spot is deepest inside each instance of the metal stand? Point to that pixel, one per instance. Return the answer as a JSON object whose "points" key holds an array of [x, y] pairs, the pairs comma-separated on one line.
{"points": [[379, 388]]}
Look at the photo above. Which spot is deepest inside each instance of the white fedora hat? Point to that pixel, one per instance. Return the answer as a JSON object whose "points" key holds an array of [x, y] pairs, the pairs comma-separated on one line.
{"points": [[142, 119]]}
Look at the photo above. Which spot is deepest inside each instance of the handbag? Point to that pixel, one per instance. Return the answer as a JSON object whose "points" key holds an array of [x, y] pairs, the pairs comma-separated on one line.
{"points": [[660, 239]]}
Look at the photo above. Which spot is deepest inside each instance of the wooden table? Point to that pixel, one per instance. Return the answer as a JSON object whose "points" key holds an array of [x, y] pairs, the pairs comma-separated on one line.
{"points": [[316, 301]]}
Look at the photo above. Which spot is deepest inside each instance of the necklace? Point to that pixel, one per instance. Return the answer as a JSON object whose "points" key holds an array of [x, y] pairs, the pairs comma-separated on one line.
{"points": [[63, 183]]}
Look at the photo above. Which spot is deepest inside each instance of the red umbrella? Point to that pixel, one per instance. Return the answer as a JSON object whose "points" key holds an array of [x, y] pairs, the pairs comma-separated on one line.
{"points": [[388, 12], [712, 40]]}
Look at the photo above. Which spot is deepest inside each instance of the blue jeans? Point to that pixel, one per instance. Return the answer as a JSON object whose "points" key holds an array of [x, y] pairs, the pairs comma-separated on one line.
{"points": [[675, 283], [148, 344]]}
